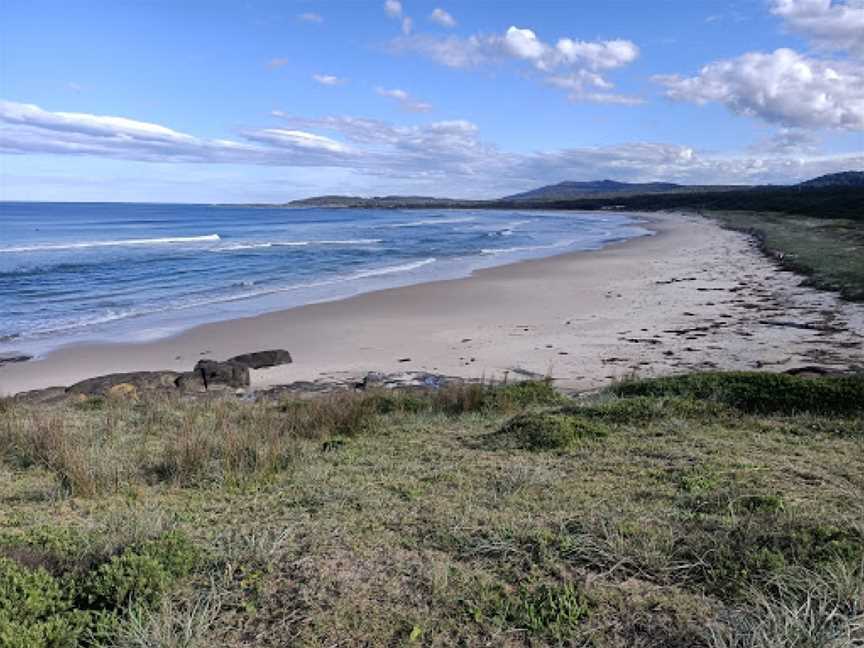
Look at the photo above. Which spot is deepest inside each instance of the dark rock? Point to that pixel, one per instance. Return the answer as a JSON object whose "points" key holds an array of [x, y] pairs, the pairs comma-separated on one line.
{"points": [[215, 373], [14, 357], [811, 372], [190, 382], [141, 380], [263, 359]]}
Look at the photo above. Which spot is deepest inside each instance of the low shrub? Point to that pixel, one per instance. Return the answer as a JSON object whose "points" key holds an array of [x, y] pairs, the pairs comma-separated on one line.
{"points": [[524, 394], [543, 431], [759, 393], [86, 592], [638, 410], [35, 611]]}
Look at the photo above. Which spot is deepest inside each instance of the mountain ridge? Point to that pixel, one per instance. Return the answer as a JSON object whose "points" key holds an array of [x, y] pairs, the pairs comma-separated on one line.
{"points": [[570, 190]]}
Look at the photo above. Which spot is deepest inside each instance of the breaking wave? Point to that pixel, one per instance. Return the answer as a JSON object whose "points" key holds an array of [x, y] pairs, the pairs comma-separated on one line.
{"points": [[124, 242]]}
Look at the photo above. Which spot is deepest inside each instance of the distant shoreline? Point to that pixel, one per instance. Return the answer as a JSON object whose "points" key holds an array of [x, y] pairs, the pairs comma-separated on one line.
{"points": [[693, 297], [397, 257]]}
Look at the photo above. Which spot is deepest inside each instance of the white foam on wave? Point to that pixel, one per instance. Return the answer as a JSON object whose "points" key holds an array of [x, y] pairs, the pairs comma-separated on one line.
{"points": [[405, 267], [526, 248], [95, 244], [152, 309], [435, 221], [272, 244]]}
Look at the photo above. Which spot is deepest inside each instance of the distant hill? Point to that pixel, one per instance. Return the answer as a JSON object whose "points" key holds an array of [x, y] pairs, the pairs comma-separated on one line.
{"points": [[569, 189], [842, 179], [610, 194], [393, 202]]}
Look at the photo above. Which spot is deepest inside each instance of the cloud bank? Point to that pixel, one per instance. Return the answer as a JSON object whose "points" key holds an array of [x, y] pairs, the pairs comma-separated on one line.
{"points": [[437, 158]]}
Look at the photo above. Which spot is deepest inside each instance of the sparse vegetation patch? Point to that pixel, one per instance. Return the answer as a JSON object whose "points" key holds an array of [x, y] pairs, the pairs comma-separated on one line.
{"points": [[708, 511]]}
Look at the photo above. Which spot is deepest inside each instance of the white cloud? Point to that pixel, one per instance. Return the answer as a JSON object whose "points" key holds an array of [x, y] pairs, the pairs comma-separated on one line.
{"points": [[830, 25], [442, 18], [443, 157], [584, 85], [310, 17], [788, 141], [521, 44], [393, 8], [405, 99], [407, 25], [95, 125], [329, 79], [600, 55], [566, 64], [26, 128], [280, 137], [783, 87], [276, 63]]}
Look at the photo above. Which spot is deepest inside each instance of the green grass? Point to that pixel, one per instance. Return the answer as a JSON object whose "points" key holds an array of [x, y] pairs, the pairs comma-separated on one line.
{"points": [[828, 251], [711, 510], [763, 393]]}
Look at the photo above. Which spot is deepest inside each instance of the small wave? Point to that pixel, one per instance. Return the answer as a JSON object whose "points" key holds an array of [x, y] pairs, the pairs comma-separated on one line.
{"points": [[435, 221], [125, 242], [527, 248], [272, 244], [405, 267], [152, 309]]}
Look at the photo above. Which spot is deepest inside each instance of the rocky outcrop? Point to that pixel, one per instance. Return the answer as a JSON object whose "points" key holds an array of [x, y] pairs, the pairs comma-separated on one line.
{"points": [[262, 359], [227, 373], [207, 376], [141, 380]]}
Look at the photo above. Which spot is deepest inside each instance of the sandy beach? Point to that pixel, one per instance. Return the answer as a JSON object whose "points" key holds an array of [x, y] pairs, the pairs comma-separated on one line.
{"points": [[691, 297]]}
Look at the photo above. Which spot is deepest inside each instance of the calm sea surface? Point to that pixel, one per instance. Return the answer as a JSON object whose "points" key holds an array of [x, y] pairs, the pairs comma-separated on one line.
{"points": [[85, 271]]}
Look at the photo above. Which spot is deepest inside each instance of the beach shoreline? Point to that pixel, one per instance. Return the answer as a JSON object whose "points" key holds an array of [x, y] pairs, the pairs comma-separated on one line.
{"points": [[691, 297]]}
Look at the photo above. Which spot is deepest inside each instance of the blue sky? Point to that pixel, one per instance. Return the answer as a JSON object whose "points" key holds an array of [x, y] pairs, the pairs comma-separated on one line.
{"points": [[273, 100]]}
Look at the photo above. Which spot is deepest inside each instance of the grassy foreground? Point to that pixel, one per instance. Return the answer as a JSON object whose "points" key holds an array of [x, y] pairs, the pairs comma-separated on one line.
{"points": [[829, 251], [715, 510]]}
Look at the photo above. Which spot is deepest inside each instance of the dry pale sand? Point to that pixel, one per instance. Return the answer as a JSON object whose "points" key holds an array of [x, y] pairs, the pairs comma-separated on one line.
{"points": [[692, 297]]}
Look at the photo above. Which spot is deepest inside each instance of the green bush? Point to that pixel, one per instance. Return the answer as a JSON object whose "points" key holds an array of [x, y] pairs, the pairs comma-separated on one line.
{"points": [[759, 393], [524, 394], [35, 611], [87, 592], [125, 578], [141, 573], [542, 431]]}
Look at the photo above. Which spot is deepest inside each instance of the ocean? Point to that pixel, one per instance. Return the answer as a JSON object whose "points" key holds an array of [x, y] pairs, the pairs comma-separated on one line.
{"points": [[74, 272]]}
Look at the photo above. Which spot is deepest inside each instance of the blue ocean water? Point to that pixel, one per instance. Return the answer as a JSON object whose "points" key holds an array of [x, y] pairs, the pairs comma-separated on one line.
{"points": [[84, 271]]}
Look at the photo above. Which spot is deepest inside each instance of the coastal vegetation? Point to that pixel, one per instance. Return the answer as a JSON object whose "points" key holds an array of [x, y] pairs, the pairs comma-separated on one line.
{"points": [[711, 510], [828, 251]]}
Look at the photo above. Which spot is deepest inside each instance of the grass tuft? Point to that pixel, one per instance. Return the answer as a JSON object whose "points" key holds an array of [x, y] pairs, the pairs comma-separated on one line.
{"points": [[543, 431]]}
